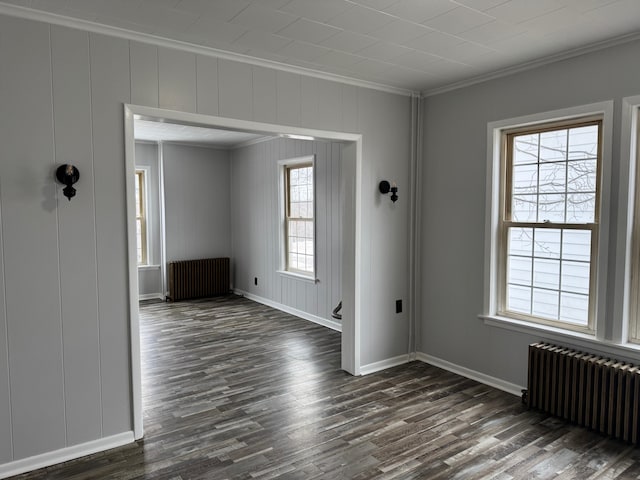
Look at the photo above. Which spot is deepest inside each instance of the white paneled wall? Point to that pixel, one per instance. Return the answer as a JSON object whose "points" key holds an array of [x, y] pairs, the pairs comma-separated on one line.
{"points": [[256, 225], [64, 320]]}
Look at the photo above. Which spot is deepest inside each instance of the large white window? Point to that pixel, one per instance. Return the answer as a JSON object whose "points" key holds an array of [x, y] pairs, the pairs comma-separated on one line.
{"points": [[549, 224], [546, 242], [299, 216], [141, 217]]}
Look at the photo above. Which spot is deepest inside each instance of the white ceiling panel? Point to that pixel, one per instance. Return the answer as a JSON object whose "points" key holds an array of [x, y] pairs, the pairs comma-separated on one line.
{"points": [[420, 45], [308, 31], [260, 18], [320, 11], [458, 20]]}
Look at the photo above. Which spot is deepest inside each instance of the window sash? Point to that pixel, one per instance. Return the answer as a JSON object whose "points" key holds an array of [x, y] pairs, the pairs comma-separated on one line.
{"points": [[141, 219], [507, 223], [291, 263]]}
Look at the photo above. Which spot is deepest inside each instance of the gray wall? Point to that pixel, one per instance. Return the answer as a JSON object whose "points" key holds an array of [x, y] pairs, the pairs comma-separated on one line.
{"points": [[256, 222], [150, 277], [64, 321], [197, 202], [453, 198]]}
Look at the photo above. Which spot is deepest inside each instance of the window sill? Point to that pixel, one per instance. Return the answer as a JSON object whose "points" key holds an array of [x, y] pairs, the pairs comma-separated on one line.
{"points": [[299, 276], [576, 339], [148, 267]]}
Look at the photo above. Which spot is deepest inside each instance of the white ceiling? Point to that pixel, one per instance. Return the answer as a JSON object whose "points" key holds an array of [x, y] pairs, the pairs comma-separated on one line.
{"points": [[156, 131], [418, 45]]}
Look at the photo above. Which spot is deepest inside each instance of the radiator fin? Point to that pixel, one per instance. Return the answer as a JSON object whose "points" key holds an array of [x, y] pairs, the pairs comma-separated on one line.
{"points": [[592, 391], [206, 277]]}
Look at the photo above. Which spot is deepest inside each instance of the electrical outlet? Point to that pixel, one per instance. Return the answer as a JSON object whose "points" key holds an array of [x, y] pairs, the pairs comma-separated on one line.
{"points": [[398, 306], [255, 280]]}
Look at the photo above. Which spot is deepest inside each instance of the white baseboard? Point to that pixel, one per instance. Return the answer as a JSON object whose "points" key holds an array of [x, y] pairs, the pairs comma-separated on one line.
{"points": [[150, 296], [293, 311], [384, 364], [472, 374], [64, 454]]}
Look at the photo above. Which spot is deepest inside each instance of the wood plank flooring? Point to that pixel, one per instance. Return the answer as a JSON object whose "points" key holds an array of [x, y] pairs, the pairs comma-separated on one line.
{"points": [[236, 390]]}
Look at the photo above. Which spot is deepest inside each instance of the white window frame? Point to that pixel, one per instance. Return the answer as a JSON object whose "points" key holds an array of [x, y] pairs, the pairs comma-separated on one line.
{"points": [[628, 247], [145, 205], [282, 199], [493, 253]]}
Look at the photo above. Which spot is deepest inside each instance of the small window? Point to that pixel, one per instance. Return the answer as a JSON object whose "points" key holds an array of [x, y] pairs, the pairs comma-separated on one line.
{"points": [[141, 217], [299, 215], [549, 223]]}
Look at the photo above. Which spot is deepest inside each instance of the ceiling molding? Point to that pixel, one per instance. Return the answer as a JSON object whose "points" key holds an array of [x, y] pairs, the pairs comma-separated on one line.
{"points": [[80, 24], [594, 47]]}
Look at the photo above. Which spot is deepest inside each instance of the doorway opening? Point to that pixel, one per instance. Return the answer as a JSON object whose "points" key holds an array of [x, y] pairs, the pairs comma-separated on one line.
{"points": [[350, 237]]}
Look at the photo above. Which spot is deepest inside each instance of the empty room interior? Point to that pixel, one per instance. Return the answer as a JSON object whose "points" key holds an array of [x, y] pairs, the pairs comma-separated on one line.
{"points": [[304, 239]]}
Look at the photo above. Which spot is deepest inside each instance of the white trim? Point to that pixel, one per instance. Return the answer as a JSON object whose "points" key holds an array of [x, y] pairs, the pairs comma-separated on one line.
{"points": [[494, 382], [151, 296], [134, 320], [523, 67], [77, 23], [64, 454], [293, 311], [299, 276], [626, 212], [149, 267], [384, 364], [492, 203], [351, 338]]}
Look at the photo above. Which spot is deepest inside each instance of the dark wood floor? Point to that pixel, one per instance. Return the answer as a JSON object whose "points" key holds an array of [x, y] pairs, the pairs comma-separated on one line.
{"points": [[236, 390]]}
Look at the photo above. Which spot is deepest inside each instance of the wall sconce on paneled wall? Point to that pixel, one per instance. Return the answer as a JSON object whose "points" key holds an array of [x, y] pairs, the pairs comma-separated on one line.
{"points": [[68, 175], [386, 187]]}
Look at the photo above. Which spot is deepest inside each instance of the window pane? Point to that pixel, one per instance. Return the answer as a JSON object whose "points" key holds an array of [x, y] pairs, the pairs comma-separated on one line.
{"points": [[581, 207], [545, 304], [553, 146], [576, 245], [574, 308], [139, 239], [551, 208], [525, 149], [552, 177], [547, 243], [521, 241], [524, 207], [525, 178], [583, 142], [582, 176], [519, 299], [575, 277], [519, 270], [546, 273]]}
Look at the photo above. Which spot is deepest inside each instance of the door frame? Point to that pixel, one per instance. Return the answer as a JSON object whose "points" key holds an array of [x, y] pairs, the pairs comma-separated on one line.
{"points": [[352, 236]]}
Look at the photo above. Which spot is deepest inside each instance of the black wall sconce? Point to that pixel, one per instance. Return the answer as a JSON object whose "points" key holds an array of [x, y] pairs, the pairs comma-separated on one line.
{"points": [[385, 187], [68, 175]]}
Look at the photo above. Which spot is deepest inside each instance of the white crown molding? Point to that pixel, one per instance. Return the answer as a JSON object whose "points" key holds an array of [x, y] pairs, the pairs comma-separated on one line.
{"points": [[81, 24], [594, 47]]}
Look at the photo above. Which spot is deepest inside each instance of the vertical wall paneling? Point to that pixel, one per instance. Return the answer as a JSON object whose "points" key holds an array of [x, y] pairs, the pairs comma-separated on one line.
{"points": [[289, 97], [30, 240], [110, 82], [207, 85], [265, 99], [350, 108], [329, 105], [336, 209], [177, 79], [6, 433], [144, 74], [235, 89], [72, 120], [197, 210], [256, 224], [309, 102]]}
